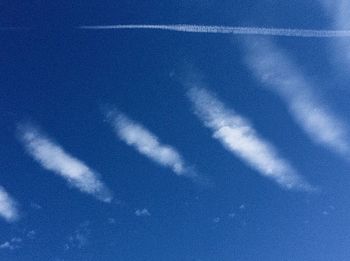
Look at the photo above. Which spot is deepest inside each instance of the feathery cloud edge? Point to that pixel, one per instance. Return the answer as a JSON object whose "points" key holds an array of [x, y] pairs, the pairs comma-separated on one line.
{"points": [[238, 136], [278, 73], [148, 144], [8, 206], [53, 157]]}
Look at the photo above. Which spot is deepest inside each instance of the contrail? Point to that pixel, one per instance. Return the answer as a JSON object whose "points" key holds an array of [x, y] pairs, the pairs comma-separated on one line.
{"points": [[14, 28], [225, 30]]}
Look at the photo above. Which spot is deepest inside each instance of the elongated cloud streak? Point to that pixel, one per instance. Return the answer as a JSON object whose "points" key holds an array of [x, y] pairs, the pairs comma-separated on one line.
{"points": [[53, 157], [8, 206], [239, 137], [146, 143], [225, 30], [278, 73], [340, 11]]}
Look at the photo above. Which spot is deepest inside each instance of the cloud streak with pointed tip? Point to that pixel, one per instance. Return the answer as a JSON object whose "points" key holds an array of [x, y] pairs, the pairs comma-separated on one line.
{"points": [[8, 206], [148, 144], [278, 73], [238, 136], [189, 28], [53, 157], [340, 12]]}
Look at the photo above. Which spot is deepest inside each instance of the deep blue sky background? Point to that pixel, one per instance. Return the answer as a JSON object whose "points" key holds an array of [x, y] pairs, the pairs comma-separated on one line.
{"points": [[58, 77]]}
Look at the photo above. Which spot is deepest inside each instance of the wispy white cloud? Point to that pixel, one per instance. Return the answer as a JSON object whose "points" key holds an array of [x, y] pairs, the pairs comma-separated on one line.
{"points": [[212, 29], [12, 244], [18, 241], [80, 238], [340, 10], [53, 157], [35, 206], [242, 207], [111, 221], [232, 215], [277, 72], [8, 206], [239, 137], [217, 220], [142, 212], [31, 234], [148, 144], [340, 14]]}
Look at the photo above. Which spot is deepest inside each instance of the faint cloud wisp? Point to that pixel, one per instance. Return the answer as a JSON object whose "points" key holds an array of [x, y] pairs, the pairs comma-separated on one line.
{"points": [[142, 212], [340, 13], [12, 244], [277, 72], [80, 238]]}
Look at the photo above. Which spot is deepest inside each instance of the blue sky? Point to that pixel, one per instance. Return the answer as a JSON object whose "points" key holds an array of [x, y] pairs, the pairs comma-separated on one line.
{"points": [[146, 144]]}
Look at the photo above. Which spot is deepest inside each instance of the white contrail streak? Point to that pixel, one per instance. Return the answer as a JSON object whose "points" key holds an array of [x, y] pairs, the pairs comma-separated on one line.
{"points": [[8, 206], [238, 136], [53, 157], [14, 28], [225, 30]]}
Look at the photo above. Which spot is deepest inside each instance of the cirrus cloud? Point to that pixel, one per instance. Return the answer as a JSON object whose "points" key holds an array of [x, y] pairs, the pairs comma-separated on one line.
{"points": [[53, 157], [8, 206], [238, 136], [276, 70]]}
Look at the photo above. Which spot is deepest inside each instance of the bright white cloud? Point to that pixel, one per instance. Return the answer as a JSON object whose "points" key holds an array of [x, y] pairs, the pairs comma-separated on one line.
{"points": [[8, 206], [239, 137], [52, 157], [142, 213], [278, 73], [146, 143]]}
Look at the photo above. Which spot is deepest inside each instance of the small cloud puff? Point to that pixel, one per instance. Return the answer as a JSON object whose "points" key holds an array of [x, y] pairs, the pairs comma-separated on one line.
{"points": [[142, 212], [12, 244], [216, 220], [80, 237]]}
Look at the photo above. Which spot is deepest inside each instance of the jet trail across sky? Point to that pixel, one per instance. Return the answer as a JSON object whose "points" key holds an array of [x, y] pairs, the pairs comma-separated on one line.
{"points": [[225, 30], [14, 28]]}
